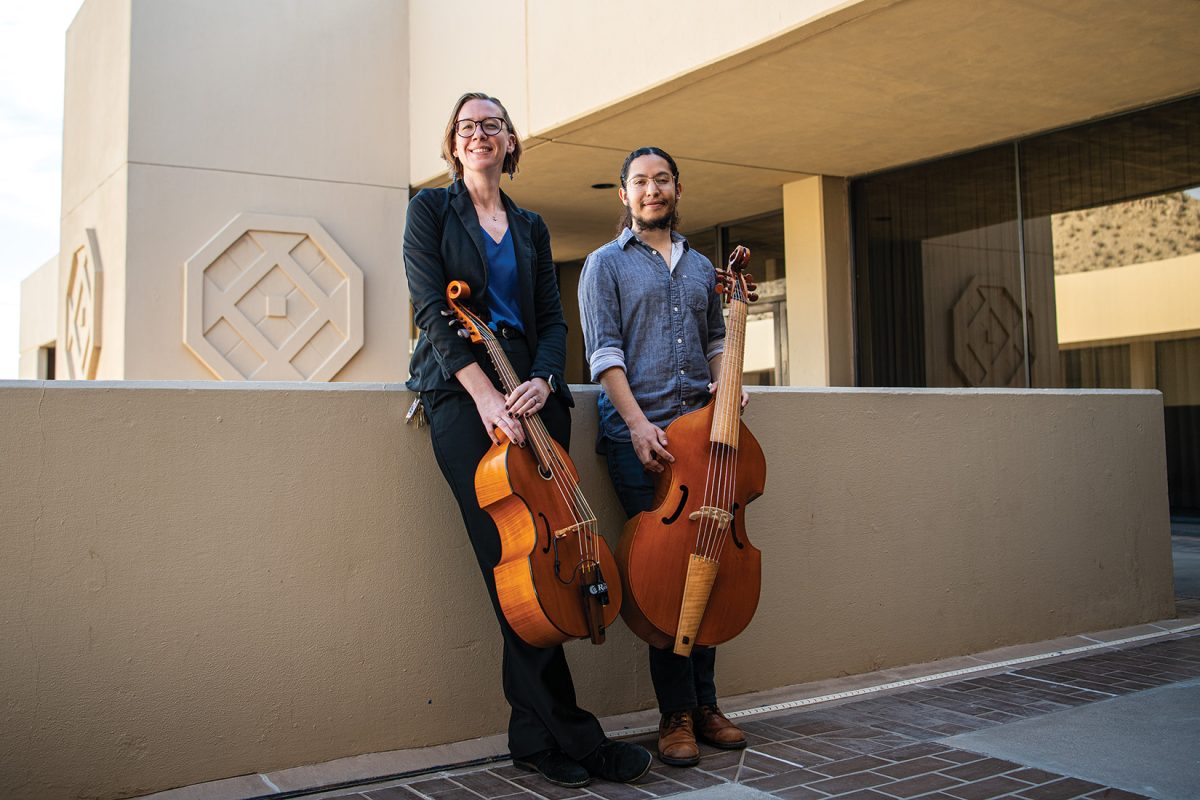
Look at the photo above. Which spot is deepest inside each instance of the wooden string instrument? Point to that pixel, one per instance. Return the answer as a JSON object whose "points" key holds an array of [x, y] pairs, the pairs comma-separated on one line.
{"points": [[690, 575], [552, 575]]}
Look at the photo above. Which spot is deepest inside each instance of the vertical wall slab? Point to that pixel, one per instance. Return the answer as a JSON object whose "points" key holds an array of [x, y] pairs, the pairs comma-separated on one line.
{"points": [[816, 230], [491, 59], [180, 116], [276, 107], [39, 319], [95, 152]]}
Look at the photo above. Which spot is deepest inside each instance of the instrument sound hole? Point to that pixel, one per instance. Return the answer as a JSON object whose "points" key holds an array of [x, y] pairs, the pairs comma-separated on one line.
{"points": [[545, 473], [683, 496], [549, 534], [733, 528]]}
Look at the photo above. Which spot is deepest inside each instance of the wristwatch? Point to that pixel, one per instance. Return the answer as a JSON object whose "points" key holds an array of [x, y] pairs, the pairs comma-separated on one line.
{"points": [[549, 378]]}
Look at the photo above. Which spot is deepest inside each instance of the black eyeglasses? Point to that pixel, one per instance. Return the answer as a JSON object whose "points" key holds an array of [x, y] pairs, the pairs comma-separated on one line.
{"points": [[491, 126]]}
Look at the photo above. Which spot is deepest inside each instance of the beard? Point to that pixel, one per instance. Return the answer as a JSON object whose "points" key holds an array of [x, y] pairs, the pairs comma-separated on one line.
{"points": [[666, 221]]}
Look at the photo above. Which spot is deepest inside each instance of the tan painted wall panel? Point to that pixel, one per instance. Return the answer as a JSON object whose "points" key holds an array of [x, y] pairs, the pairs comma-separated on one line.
{"points": [[630, 46], [275, 87], [173, 212], [451, 53], [1156, 299], [104, 211], [39, 320], [96, 101], [205, 580]]}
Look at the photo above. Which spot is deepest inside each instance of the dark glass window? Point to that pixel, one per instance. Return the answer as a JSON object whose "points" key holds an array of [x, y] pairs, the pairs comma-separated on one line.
{"points": [[938, 274], [1095, 288]]}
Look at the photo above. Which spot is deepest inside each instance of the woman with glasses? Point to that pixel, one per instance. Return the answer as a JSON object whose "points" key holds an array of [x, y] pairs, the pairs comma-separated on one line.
{"points": [[474, 233]]}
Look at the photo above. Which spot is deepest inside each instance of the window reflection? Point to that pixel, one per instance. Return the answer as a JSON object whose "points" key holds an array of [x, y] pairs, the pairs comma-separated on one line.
{"points": [[766, 324], [1095, 288]]}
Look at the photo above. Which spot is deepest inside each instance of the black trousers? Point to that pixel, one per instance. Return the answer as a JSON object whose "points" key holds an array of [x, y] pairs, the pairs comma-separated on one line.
{"points": [[680, 682], [537, 681]]}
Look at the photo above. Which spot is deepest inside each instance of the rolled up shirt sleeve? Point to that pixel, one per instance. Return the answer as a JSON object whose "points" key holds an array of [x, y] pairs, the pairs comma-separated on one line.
{"points": [[716, 321], [600, 314]]}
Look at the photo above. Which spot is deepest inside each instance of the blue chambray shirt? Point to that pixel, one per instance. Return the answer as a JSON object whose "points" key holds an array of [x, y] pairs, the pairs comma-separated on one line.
{"points": [[661, 327]]}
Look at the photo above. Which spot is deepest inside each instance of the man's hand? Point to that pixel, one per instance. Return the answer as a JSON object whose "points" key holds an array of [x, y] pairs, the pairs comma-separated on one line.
{"points": [[529, 397], [712, 389], [650, 444]]}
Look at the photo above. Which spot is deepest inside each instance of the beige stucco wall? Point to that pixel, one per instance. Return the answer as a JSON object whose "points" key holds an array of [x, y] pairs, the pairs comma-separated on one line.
{"points": [[1153, 300], [96, 101], [95, 170], [39, 291], [180, 116], [616, 50], [203, 580]]}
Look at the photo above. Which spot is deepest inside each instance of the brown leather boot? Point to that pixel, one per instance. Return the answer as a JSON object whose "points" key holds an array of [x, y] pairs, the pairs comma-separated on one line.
{"points": [[713, 727], [676, 740]]}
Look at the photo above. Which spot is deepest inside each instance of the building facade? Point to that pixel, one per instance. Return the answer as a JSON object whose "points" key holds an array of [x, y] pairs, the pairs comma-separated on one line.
{"points": [[937, 194]]}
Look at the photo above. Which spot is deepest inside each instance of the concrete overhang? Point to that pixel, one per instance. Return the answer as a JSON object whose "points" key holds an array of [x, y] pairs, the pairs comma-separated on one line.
{"points": [[869, 86]]}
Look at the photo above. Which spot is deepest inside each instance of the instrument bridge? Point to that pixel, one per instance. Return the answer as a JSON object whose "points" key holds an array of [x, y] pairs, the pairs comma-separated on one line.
{"points": [[576, 528], [719, 515]]}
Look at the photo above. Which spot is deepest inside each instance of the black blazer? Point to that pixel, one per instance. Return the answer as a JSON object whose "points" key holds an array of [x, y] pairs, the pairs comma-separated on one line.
{"points": [[443, 242]]}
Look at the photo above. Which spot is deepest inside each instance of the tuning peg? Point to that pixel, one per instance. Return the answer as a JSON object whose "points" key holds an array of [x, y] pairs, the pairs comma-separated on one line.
{"points": [[722, 288], [445, 312], [750, 287], [464, 333], [753, 296], [453, 322]]}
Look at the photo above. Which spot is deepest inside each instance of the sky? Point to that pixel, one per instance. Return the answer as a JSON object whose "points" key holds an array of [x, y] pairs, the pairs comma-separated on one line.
{"points": [[32, 52]]}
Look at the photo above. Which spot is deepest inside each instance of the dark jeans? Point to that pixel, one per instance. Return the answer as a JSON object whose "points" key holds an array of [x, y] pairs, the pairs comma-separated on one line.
{"points": [[680, 683], [537, 681]]}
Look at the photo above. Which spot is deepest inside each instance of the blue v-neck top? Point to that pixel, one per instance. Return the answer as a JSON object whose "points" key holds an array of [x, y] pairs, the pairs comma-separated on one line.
{"points": [[503, 287]]}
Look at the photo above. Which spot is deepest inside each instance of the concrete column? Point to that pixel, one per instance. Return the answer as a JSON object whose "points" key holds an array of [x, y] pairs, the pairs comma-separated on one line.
{"points": [[816, 230], [1142, 374]]}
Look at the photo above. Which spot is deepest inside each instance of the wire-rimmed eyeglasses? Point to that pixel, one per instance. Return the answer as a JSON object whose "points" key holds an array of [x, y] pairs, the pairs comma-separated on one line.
{"points": [[490, 125]]}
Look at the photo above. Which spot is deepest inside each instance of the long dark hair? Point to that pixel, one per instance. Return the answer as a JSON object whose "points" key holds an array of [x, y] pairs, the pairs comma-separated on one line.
{"points": [[453, 165], [626, 219]]}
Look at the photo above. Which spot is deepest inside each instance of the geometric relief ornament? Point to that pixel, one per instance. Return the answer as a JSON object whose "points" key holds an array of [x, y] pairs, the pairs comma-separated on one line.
{"points": [[988, 344], [273, 298], [84, 300]]}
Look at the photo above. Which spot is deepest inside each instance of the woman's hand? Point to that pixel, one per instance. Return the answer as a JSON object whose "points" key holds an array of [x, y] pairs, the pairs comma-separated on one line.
{"points": [[528, 398], [494, 414], [712, 389], [490, 404]]}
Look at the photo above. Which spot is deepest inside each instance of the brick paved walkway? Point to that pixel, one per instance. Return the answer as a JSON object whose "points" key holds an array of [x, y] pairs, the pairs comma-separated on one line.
{"points": [[883, 748]]}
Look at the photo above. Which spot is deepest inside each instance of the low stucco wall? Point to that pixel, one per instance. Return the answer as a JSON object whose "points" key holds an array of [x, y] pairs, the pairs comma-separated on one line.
{"points": [[205, 580]]}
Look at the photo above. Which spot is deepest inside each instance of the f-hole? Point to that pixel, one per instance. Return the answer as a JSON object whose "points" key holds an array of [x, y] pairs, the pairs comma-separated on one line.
{"points": [[733, 528], [683, 495], [549, 535]]}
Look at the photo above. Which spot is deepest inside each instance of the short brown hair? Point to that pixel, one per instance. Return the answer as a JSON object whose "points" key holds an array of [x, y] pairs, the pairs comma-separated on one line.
{"points": [[454, 166]]}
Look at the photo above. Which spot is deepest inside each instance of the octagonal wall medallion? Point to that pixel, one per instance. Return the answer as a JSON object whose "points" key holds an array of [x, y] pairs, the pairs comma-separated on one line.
{"points": [[273, 298], [84, 300], [989, 344]]}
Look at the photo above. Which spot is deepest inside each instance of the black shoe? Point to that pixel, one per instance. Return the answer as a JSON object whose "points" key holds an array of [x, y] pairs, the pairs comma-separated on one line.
{"points": [[556, 767], [620, 762]]}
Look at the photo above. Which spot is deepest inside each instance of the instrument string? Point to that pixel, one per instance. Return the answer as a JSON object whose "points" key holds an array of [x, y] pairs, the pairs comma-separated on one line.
{"points": [[722, 459], [732, 407], [540, 439]]}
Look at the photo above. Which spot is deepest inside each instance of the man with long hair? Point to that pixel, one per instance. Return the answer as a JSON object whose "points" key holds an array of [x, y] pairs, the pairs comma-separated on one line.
{"points": [[654, 335]]}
